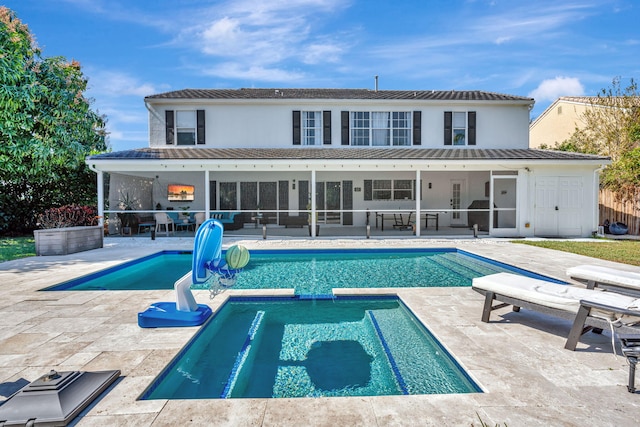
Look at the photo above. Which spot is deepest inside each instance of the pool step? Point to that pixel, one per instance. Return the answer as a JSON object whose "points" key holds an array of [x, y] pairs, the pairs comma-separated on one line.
{"points": [[420, 371], [243, 354], [469, 269], [481, 267], [394, 366]]}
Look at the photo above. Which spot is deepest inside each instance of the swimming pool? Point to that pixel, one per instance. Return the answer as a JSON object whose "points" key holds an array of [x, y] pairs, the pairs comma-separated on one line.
{"points": [[313, 271], [274, 347]]}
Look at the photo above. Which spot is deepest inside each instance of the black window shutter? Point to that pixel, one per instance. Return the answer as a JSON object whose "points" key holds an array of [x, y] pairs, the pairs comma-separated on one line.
{"points": [[326, 127], [303, 196], [368, 189], [168, 122], [283, 199], [417, 127], [471, 120], [200, 127], [212, 196], [448, 117], [344, 117], [296, 128]]}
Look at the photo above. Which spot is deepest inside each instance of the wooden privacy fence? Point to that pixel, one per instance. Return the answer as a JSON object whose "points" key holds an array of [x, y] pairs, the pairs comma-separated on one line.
{"points": [[616, 210]]}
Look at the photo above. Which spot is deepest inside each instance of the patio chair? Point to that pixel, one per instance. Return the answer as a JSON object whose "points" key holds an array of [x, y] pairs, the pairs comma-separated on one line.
{"points": [[589, 309], [199, 217], [621, 281], [399, 221], [163, 220]]}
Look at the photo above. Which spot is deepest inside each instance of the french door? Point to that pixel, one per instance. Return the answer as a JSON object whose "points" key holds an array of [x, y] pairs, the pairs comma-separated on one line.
{"points": [[328, 201], [458, 218]]}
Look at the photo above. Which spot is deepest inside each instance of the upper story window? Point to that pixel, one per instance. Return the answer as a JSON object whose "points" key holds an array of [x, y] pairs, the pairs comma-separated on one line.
{"points": [[459, 128], [381, 128], [185, 127], [311, 127]]}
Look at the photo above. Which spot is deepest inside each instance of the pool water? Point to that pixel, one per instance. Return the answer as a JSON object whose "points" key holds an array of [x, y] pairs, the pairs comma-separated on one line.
{"points": [[156, 271], [312, 272], [301, 347]]}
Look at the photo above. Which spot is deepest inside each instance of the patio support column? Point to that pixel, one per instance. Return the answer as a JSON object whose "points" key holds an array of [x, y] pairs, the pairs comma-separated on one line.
{"points": [[418, 193], [100, 189], [313, 203], [207, 194]]}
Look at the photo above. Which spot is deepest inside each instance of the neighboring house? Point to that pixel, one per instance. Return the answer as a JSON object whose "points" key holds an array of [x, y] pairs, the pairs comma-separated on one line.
{"points": [[360, 152], [559, 121]]}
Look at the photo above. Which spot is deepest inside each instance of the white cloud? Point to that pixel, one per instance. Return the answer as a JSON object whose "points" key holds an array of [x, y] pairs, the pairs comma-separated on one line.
{"points": [[551, 89], [257, 35], [321, 53], [117, 83], [232, 70]]}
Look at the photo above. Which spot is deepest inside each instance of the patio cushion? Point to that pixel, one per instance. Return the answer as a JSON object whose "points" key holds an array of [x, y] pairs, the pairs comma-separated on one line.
{"points": [[606, 275], [562, 297]]}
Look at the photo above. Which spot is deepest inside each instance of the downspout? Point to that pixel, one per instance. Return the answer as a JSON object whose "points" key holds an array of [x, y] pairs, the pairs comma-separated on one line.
{"points": [[596, 191], [154, 112]]}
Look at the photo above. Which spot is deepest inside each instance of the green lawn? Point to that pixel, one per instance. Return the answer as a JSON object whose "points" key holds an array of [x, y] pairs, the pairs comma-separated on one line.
{"points": [[624, 251], [16, 247]]}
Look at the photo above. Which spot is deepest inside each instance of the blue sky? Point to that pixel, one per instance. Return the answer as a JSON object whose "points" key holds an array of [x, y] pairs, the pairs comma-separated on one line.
{"points": [[130, 49]]}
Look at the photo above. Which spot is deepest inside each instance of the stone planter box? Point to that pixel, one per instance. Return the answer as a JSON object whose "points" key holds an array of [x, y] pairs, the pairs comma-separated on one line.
{"points": [[69, 240]]}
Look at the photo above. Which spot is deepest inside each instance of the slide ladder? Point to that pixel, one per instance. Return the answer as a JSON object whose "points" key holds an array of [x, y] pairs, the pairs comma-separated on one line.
{"points": [[207, 254]]}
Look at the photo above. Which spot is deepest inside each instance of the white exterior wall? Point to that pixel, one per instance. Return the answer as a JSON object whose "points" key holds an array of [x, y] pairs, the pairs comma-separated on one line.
{"points": [[270, 124]]}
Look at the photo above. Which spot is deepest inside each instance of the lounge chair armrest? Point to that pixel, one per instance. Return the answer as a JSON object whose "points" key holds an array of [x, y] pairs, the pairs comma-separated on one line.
{"points": [[609, 308]]}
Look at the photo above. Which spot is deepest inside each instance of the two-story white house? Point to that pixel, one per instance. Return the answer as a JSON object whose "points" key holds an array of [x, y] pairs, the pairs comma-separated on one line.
{"points": [[457, 157]]}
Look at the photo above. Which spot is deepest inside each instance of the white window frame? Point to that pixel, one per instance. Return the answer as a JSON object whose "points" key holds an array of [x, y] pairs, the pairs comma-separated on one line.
{"points": [[459, 130], [392, 189], [381, 128], [401, 135], [311, 127], [183, 128]]}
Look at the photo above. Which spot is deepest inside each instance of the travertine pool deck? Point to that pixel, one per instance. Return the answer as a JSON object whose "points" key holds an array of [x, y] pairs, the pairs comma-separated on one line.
{"points": [[528, 377]]}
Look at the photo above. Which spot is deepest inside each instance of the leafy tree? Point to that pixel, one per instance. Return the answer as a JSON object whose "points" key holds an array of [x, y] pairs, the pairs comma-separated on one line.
{"points": [[623, 176], [611, 127], [610, 122], [47, 128]]}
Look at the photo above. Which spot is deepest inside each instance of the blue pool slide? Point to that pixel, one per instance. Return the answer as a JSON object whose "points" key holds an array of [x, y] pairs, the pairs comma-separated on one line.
{"points": [[207, 251]]}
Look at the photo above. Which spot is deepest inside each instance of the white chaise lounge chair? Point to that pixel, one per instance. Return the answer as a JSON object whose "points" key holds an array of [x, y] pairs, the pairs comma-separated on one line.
{"points": [[588, 308], [621, 281]]}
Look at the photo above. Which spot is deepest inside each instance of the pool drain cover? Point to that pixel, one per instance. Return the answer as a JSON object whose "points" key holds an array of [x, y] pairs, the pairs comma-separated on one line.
{"points": [[55, 399]]}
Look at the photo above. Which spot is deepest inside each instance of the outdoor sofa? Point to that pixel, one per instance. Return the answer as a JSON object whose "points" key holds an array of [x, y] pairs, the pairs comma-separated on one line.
{"points": [[229, 220]]}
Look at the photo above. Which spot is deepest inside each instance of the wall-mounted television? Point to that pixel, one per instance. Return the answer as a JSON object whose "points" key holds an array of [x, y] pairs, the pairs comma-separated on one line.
{"points": [[180, 193]]}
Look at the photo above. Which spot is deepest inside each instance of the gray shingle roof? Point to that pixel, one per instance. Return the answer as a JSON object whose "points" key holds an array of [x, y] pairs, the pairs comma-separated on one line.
{"points": [[424, 154], [447, 95]]}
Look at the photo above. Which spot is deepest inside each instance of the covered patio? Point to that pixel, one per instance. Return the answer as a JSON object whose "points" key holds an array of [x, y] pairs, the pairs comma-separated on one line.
{"points": [[505, 193]]}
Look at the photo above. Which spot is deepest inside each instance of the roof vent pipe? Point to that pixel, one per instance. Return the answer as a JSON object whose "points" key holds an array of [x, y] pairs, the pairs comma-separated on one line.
{"points": [[376, 82]]}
